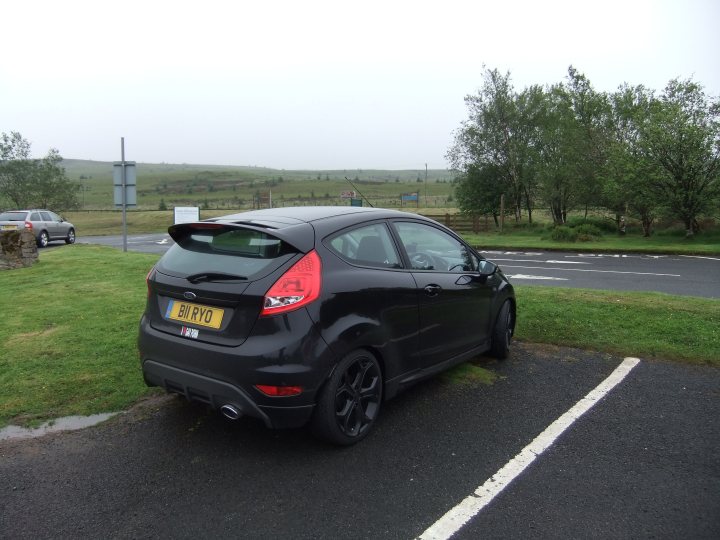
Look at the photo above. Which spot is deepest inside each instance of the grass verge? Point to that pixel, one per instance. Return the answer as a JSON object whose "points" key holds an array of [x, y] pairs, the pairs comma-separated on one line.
{"points": [[69, 333], [70, 328], [649, 325]]}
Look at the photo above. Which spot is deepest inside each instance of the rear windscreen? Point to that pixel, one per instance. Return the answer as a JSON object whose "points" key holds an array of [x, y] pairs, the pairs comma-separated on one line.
{"points": [[13, 216], [243, 252]]}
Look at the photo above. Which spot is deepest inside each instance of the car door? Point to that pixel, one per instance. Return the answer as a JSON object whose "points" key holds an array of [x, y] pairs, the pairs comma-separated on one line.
{"points": [[454, 301], [51, 224]]}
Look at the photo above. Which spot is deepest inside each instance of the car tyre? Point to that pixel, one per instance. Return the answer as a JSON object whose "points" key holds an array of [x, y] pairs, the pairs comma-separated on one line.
{"points": [[43, 239], [70, 237], [349, 402], [502, 332]]}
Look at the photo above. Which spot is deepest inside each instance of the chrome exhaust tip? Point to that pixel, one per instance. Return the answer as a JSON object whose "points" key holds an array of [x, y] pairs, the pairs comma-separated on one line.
{"points": [[230, 411]]}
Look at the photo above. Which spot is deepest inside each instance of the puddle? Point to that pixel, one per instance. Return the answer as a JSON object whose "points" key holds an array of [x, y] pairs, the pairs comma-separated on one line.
{"points": [[67, 423]]}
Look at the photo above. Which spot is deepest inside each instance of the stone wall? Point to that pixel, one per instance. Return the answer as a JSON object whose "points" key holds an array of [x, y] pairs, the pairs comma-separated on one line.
{"points": [[17, 249]]}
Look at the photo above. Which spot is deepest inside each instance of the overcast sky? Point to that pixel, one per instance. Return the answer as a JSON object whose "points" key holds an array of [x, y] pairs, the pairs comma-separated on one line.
{"points": [[312, 84]]}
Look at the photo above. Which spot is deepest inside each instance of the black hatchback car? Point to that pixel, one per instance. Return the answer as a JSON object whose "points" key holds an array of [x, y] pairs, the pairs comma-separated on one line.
{"points": [[317, 314]]}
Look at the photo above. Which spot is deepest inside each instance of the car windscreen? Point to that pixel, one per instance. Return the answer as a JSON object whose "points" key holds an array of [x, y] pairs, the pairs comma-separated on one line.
{"points": [[244, 253], [13, 216]]}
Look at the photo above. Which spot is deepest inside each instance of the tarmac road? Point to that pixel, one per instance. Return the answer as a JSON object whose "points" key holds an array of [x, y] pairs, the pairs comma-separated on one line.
{"points": [[643, 463]]}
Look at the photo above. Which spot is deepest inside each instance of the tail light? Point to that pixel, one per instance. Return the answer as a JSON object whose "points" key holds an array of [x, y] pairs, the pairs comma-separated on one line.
{"points": [[28, 225], [147, 280], [297, 287]]}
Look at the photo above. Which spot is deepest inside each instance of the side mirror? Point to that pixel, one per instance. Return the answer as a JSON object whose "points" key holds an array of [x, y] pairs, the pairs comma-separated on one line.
{"points": [[487, 269]]}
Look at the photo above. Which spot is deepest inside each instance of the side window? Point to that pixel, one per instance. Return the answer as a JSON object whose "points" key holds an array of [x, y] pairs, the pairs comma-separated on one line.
{"points": [[432, 249], [35, 216], [46, 216], [53, 216], [368, 246]]}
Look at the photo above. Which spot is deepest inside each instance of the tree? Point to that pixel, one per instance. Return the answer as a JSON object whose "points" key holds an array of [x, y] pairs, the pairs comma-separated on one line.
{"points": [[591, 136], [682, 135], [630, 172], [28, 183], [498, 136], [478, 191]]}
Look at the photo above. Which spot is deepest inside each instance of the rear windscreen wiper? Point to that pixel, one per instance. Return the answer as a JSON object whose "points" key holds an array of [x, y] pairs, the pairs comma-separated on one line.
{"points": [[214, 276]]}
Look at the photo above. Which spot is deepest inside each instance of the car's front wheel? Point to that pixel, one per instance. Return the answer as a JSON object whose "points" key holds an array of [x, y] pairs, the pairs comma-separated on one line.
{"points": [[350, 401], [70, 239], [43, 239], [502, 332]]}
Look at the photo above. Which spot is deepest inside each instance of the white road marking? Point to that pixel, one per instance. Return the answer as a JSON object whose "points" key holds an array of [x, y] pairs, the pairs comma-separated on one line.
{"points": [[536, 261], [588, 270], [699, 257], [523, 276], [458, 516]]}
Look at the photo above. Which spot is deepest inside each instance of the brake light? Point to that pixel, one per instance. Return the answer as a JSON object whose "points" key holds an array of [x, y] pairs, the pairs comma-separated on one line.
{"points": [[279, 391], [297, 287], [28, 225]]}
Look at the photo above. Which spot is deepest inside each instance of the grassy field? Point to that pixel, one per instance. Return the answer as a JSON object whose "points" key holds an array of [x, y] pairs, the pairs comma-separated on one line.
{"points": [[69, 345], [223, 187]]}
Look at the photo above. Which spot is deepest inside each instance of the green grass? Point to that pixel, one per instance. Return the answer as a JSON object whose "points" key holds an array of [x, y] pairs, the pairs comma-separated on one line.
{"points": [[70, 328], [69, 333], [648, 325], [234, 187], [705, 243]]}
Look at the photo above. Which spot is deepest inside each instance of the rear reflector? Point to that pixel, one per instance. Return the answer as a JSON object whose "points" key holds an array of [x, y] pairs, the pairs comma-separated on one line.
{"points": [[279, 391], [297, 287]]}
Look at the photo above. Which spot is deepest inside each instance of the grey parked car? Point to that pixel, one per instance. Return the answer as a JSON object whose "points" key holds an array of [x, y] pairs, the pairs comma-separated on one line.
{"points": [[45, 225]]}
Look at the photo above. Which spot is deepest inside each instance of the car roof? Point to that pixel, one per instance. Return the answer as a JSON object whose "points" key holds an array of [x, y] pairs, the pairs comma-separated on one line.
{"points": [[294, 215]]}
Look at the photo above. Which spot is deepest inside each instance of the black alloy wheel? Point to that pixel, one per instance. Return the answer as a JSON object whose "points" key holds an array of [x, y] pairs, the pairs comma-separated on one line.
{"points": [[43, 239], [70, 239], [350, 401]]}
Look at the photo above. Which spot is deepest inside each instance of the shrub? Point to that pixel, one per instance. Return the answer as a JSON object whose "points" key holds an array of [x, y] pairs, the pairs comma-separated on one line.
{"points": [[564, 234], [606, 225], [588, 229]]}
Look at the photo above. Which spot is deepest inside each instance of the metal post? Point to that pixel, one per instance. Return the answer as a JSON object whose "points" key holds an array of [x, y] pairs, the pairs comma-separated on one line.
{"points": [[426, 200], [124, 195]]}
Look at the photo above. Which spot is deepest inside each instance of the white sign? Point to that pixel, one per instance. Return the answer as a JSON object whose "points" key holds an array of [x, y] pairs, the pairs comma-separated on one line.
{"points": [[187, 214]]}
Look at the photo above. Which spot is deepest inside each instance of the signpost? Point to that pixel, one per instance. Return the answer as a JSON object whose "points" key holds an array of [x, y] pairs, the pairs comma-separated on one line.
{"points": [[124, 191], [409, 197]]}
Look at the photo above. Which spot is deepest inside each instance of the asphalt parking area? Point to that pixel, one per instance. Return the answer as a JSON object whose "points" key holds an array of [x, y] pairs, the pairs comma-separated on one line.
{"points": [[642, 463]]}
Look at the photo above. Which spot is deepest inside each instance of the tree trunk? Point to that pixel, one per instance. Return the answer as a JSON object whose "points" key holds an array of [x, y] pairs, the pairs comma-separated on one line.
{"points": [[647, 224]]}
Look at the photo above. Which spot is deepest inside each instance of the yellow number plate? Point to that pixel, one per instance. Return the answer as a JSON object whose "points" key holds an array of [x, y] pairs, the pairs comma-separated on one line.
{"points": [[195, 314], [9, 227]]}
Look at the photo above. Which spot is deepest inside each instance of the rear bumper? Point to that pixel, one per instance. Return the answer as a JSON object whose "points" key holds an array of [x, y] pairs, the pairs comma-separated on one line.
{"points": [[217, 393], [281, 351]]}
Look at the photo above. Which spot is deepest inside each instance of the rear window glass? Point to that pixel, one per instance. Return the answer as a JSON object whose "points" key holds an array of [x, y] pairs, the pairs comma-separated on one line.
{"points": [[242, 252], [13, 216]]}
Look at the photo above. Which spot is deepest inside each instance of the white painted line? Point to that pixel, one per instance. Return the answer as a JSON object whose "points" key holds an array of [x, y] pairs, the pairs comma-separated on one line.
{"points": [[494, 259], [584, 270], [699, 257], [523, 276], [458, 516], [521, 260]]}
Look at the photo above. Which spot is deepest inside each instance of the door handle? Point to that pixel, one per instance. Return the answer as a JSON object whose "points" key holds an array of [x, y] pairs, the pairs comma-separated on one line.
{"points": [[432, 290]]}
